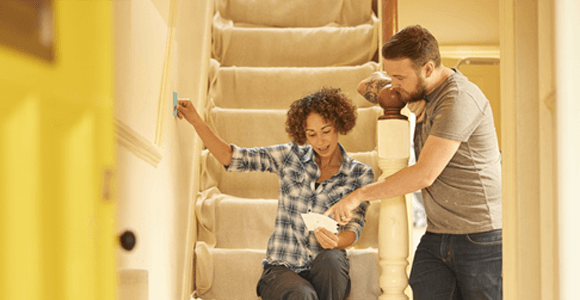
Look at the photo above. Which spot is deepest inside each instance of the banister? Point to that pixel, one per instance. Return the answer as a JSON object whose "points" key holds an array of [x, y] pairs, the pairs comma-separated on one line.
{"points": [[393, 151]]}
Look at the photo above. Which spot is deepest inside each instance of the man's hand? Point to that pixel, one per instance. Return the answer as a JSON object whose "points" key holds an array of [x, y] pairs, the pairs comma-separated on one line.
{"points": [[327, 239], [342, 210], [418, 108]]}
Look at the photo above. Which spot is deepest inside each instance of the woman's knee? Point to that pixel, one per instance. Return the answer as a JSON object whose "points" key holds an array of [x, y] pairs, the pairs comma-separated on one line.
{"points": [[278, 282], [333, 257], [300, 292], [289, 292]]}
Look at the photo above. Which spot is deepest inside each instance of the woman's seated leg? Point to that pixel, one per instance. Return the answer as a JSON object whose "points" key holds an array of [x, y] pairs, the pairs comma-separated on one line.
{"points": [[330, 275], [281, 283]]}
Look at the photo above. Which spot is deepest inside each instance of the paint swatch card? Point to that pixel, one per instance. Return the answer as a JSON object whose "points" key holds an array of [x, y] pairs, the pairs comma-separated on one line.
{"points": [[175, 104], [314, 221]]}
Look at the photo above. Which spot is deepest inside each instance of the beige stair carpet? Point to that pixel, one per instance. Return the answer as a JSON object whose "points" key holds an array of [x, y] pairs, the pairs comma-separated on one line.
{"points": [[267, 54]]}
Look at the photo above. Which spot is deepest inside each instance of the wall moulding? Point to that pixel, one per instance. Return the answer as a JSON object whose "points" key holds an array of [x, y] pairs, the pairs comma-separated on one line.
{"points": [[165, 93], [137, 144], [149, 148]]}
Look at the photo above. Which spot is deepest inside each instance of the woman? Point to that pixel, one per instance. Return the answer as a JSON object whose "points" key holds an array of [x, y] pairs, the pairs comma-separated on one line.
{"points": [[301, 264]]}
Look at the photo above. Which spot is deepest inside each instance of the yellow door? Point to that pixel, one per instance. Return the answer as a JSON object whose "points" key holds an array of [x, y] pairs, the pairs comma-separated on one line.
{"points": [[57, 238]]}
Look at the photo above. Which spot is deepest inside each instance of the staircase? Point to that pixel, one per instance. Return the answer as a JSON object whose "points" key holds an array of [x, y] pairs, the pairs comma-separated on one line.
{"points": [[265, 55]]}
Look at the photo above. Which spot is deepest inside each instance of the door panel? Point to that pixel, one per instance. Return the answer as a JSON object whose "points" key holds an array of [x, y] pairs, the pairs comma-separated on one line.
{"points": [[57, 238]]}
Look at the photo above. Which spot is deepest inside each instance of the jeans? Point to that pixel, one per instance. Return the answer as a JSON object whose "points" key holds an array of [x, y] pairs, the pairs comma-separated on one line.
{"points": [[327, 279], [458, 266]]}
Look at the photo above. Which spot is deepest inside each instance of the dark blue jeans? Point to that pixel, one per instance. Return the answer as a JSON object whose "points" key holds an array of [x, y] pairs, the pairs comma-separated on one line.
{"points": [[328, 279], [458, 266]]}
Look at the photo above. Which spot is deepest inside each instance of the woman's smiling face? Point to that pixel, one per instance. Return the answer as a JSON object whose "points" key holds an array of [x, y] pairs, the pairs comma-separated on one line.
{"points": [[321, 135]]}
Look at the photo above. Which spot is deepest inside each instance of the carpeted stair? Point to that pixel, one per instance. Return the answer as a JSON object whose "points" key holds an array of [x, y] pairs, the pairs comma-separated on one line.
{"points": [[267, 54]]}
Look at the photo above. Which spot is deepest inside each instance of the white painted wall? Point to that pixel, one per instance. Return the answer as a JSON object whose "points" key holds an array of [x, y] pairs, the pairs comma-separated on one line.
{"points": [[141, 35], [568, 111], [154, 198]]}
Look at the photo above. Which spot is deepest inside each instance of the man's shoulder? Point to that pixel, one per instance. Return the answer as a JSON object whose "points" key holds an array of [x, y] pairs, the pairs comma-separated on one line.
{"points": [[455, 90]]}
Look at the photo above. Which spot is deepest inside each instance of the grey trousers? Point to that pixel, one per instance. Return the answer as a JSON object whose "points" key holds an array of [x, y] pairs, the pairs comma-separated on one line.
{"points": [[328, 279]]}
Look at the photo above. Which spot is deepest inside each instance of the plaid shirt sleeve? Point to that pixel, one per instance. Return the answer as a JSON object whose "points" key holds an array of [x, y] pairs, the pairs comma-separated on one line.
{"points": [[357, 222], [265, 159]]}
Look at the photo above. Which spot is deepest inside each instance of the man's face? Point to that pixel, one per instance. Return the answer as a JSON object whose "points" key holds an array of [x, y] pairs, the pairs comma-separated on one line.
{"points": [[407, 82]]}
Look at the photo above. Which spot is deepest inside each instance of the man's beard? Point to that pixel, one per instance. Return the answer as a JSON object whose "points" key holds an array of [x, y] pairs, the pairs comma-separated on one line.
{"points": [[416, 95]]}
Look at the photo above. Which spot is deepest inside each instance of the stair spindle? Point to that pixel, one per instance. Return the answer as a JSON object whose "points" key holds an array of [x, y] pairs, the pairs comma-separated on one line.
{"points": [[393, 152]]}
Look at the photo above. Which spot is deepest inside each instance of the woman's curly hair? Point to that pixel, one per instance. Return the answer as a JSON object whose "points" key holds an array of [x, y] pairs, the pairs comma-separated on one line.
{"points": [[331, 103]]}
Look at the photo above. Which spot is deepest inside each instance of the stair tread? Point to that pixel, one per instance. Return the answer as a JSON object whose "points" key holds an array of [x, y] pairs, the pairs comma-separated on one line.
{"points": [[258, 128], [278, 87], [293, 47], [283, 13]]}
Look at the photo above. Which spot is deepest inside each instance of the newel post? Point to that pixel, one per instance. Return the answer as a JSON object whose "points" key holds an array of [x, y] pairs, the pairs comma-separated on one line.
{"points": [[393, 151]]}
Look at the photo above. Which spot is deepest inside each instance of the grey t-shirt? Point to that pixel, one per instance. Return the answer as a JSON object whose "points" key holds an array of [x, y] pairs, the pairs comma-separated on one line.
{"points": [[466, 197]]}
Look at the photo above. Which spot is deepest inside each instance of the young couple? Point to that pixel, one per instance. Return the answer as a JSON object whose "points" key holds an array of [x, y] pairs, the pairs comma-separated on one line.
{"points": [[458, 171]]}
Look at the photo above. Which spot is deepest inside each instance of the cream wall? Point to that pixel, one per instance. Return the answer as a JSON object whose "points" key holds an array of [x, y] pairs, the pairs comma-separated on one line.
{"points": [[156, 153], [568, 109], [454, 22]]}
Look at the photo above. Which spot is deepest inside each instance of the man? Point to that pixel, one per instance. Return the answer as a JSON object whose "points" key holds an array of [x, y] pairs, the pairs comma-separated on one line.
{"points": [[458, 171]]}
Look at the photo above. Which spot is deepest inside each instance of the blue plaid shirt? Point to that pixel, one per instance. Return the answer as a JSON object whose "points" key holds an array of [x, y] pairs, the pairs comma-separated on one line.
{"points": [[291, 244]]}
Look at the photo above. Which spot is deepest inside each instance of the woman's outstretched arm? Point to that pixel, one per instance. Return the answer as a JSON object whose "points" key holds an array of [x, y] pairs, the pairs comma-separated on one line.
{"points": [[218, 147]]}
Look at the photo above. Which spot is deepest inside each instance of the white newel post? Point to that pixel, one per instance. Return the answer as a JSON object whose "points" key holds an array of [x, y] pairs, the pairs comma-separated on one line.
{"points": [[393, 151]]}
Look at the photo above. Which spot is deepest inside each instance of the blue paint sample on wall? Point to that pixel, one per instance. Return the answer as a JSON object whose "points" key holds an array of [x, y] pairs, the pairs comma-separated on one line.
{"points": [[175, 104]]}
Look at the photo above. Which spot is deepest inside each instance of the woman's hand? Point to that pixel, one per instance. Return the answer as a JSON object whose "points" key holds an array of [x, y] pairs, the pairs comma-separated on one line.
{"points": [[327, 239], [185, 109], [418, 108]]}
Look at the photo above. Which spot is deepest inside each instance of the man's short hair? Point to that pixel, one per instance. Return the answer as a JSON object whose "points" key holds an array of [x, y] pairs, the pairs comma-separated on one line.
{"points": [[413, 42]]}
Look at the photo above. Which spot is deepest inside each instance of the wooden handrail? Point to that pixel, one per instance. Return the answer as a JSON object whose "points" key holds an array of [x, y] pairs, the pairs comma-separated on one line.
{"points": [[390, 18]]}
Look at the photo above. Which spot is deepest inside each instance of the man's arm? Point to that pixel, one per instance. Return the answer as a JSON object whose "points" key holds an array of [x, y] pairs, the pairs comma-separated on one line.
{"points": [[371, 86], [434, 157]]}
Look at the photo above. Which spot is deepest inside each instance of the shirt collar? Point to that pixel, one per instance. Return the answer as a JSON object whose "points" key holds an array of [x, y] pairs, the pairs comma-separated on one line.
{"points": [[435, 92], [309, 157]]}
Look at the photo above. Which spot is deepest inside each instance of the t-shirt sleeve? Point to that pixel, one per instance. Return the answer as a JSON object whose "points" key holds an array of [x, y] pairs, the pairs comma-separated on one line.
{"points": [[456, 117]]}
